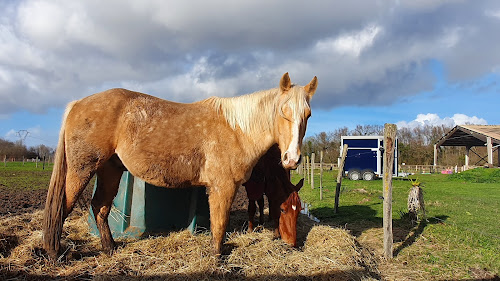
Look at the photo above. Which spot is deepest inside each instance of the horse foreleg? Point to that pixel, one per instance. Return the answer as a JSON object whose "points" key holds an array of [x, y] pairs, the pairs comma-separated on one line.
{"points": [[260, 202], [107, 186], [274, 216], [220, 200], [251, 214]]}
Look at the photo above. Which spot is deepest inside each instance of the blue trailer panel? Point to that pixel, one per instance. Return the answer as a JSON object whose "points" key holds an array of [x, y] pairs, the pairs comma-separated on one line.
{"points": [[361, 159], [364, 157]]}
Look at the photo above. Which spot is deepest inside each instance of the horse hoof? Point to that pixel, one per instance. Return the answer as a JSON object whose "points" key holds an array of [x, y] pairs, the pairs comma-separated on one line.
{"points": [[109, 250], [52, 254], [276, 234]]}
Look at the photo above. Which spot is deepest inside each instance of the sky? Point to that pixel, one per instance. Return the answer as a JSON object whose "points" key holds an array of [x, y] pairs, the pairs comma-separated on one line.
{"points": [[404, 62]]}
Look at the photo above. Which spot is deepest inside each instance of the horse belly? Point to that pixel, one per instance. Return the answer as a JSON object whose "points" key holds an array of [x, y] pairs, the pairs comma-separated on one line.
{"points": [[168, 171]]}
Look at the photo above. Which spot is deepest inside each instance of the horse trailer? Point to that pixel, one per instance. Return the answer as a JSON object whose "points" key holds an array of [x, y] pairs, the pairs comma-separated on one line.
{"points": [[364, 159]]}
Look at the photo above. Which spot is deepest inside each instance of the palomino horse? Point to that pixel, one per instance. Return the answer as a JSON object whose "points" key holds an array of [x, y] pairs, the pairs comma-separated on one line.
{"points": [[214, 142], [270, 178]]}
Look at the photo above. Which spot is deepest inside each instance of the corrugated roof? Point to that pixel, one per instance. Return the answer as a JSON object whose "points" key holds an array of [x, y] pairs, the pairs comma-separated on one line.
{"points": [[470, 135]]}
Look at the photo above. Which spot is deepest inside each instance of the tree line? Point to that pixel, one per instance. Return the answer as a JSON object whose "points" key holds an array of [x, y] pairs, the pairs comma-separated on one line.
{"points": [[416, 145], [17, 150]]}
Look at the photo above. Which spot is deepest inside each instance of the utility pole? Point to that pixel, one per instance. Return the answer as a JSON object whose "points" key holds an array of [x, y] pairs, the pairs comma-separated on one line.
{"points": [[22, 134]]}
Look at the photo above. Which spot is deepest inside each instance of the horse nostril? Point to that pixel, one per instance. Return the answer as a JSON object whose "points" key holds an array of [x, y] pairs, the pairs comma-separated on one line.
{"points": [[285, 158]]}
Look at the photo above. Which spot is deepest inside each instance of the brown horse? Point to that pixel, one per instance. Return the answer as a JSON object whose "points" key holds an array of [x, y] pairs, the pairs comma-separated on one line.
{"points": [[270, 178], [214, 142]]}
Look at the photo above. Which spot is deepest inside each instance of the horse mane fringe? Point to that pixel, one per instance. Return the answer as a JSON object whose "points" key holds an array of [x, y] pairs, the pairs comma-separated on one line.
{"points": [[252, 113], [54, 205]]}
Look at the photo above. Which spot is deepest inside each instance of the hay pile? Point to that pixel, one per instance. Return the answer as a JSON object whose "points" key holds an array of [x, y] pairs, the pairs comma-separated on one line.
{"points": [[328, 253]]}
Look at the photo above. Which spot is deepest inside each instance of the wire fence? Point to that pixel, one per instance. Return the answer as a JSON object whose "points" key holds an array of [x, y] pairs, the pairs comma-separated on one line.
{"points": [[36, 161]]}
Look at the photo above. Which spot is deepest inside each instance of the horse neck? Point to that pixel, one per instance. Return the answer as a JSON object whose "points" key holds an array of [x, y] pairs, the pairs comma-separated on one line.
{"points": [[293, 199], [252, 118]]}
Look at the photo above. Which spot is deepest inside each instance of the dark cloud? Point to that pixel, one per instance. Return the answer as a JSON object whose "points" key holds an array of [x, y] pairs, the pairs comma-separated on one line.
{"points": [[363, 52]]}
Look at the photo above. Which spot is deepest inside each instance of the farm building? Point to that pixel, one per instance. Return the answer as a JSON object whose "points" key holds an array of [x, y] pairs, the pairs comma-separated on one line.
{"points": [[471, 136]]}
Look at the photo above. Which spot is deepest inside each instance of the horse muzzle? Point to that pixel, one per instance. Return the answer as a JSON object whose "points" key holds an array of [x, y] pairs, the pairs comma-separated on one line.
{"points": [[289, 162]]}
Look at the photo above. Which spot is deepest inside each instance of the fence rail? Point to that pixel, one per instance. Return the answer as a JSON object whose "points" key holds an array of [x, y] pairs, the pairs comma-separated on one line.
{"points": [[42, 162], [431, 169], [409, 169]]}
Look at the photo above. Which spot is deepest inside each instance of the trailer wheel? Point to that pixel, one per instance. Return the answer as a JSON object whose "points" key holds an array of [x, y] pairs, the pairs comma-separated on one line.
{"points": [[354, 174], [368, 175]]}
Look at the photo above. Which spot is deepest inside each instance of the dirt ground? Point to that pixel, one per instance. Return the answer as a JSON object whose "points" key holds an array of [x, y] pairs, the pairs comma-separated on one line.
{"points": [[26, 201], [17, 202]]}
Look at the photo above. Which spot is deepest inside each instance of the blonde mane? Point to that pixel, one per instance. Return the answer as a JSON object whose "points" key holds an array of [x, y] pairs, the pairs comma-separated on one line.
{"points": [[255, 113]]}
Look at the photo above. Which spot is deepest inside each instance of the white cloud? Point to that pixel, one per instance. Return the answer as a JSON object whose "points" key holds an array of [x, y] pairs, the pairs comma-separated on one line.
{"points": [[493, 13], [351, 43], [432, 119], [11, 134], [363, 52]]}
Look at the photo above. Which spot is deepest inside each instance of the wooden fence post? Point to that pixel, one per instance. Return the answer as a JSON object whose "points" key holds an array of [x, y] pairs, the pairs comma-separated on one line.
{"points": [[321, 175], [5, 160], [312, 170], [306, 172], [304, 168], [388, 162], [339, 178]]}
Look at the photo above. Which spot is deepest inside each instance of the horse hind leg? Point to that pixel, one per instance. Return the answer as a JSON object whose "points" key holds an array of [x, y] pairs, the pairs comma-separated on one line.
{"points": [[74, 184], [251, 214], [260, 202], [109, 176]]}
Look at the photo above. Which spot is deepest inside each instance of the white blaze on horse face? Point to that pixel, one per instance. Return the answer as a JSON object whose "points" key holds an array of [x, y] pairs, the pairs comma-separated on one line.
{"points": [[292, 154]]}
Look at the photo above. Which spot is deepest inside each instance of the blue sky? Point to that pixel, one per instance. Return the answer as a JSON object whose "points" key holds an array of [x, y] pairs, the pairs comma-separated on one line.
{"points": [[404, 62]]}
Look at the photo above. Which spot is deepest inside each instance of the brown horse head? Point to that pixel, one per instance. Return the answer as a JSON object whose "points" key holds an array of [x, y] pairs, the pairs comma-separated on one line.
{"points": [[290, 210], [291, 118]]}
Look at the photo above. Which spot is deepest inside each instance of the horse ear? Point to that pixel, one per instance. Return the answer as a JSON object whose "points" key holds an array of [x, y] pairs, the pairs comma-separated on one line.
{"points": [[311, 87], [299, 185], [285, 83]]}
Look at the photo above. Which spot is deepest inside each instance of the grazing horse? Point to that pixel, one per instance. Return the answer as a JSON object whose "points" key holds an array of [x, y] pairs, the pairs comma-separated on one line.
{"points": [[213, 143], [270, 178]]}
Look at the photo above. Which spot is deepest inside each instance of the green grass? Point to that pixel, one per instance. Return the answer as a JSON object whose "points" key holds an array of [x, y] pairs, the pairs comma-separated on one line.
{"points": [[463, 211], [15, 175]]}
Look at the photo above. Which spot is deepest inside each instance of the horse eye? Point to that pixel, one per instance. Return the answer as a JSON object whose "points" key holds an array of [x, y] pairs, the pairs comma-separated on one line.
{"points": [[282, 211]]}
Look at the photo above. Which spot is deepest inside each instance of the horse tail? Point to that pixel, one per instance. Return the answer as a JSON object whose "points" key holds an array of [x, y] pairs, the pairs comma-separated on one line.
{"points": [[54, 206]]}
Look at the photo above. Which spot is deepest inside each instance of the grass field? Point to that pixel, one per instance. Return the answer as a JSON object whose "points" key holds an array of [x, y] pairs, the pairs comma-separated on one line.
{"points": [[460, 238], [16, 175]]}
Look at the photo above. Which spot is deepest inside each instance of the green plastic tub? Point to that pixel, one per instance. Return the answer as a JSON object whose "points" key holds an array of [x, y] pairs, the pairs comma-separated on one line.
{"points": [[141, 209]]}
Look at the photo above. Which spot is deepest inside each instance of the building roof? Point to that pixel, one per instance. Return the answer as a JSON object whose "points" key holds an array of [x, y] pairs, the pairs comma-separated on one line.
{"points": [[470, 135]]}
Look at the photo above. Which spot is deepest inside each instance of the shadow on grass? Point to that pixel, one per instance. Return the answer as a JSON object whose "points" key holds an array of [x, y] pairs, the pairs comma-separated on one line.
{"points": [[359, 218], [356, 218], [417, 231]]}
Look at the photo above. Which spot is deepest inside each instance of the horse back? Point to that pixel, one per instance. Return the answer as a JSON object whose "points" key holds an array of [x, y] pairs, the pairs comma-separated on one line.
{"points": [[165, 143]]}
